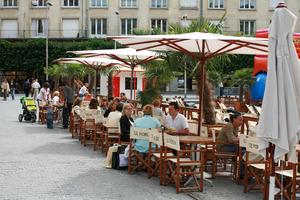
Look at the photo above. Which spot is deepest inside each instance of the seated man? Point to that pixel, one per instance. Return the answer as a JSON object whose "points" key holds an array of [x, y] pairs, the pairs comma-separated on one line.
{"points": [[175, 120], [229, 133]]}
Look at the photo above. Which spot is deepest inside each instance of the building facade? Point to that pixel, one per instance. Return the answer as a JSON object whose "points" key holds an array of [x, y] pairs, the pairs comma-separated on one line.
{"points": [[100, 18]]}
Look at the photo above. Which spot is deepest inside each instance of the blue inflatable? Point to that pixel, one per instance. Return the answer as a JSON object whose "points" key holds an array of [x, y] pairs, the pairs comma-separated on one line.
{"points": [[258, 88]]}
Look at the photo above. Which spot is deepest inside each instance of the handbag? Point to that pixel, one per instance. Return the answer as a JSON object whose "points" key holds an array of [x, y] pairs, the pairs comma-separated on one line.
{"points": [[119, 159]]}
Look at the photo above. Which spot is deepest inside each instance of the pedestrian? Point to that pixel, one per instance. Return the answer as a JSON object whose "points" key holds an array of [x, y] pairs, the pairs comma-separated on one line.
{"points": [[12, 89], [5, 89], [26, 87], [35, 86], [69, 94], [83, 90], [44, 96], [221, 86]]}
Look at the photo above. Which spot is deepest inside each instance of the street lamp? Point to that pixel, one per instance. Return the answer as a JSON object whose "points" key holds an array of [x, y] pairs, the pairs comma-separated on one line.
{"points": [[117, 14], [48, 4]]}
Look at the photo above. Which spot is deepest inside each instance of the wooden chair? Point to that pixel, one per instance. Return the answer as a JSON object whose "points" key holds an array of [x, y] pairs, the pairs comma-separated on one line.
{"points": [[71, 123], [287, 178], [135, 159], [256, 172], [155, 154], [182, 168], [111, 136], [89, 130], [75, 121]]}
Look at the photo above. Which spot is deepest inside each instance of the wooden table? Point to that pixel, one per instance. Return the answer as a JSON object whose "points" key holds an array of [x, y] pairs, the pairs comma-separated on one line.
{"points": [[195, 139]]}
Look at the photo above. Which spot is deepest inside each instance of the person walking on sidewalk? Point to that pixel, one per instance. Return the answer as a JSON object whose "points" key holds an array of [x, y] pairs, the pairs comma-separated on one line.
{"points": [[26, 87], [12, 89], [35, 86], [69, 99], [5, 89]]}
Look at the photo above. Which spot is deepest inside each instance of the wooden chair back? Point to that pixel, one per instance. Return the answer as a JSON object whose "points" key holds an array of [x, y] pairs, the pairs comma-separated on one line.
{"points": [[156, 137], [139, 133], [172, 142]]}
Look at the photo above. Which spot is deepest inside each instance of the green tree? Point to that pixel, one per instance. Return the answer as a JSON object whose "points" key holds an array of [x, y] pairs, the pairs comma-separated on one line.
{"points": [[242, 77]]}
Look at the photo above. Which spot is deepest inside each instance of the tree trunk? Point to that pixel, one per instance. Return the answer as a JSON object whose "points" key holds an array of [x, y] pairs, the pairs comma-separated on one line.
{"points": [[109, 85], [208, 110]]}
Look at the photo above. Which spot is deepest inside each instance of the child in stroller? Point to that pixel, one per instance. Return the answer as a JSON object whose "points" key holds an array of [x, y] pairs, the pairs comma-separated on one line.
{"points": [[29, 110]]}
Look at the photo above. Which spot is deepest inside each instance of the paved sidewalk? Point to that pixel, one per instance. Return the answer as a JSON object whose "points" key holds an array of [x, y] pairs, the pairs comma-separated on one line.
{"points": [[38, 163]]}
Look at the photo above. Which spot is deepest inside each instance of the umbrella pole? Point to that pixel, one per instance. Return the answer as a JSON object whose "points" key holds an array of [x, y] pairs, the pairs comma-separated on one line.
{"points": [[270, 179], [201, 91]]}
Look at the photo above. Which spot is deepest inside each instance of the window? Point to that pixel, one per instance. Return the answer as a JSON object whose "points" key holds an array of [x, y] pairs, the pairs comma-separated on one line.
{"points": [[71, 3], [188, 3], [247, 27], [127, 83], [38, 28], [274, 3], [39, 3], [216, 4], [128, 25], [247, 4], [98, 27], [70, 28], [158, 3], [10, 3], [128, 3], [99, 3], [160, 24], [9, 28]]}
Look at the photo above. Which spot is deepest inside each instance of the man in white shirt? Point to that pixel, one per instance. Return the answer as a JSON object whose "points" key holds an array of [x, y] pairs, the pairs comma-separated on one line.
{"points": [[83, 90], [175, 120], [35, 87]]}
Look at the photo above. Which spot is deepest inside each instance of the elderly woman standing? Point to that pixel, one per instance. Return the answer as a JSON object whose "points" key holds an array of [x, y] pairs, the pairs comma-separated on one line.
{"points": [[147, 121]]}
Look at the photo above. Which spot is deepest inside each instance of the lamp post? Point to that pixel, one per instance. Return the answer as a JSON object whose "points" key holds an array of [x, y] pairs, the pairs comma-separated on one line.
{"points": [[185, 24], [48, 4], [117, 14]]}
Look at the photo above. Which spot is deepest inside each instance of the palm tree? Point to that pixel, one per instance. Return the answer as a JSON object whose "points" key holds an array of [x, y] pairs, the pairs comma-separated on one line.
{"points": [[242, 77], [192, 66]]}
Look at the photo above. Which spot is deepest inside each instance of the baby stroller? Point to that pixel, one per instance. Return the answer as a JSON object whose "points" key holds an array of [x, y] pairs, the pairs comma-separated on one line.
{"points": [[29, 110]]}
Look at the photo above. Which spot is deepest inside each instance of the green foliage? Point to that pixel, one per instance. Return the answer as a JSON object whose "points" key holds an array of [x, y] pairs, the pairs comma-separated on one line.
{"points": [[155, 31], [214, 77], [67, 70], [147, 96], [29, 55], [242, 76]]}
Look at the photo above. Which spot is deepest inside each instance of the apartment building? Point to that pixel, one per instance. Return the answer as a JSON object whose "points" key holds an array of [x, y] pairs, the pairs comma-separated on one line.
{"points": [[99, 18]]}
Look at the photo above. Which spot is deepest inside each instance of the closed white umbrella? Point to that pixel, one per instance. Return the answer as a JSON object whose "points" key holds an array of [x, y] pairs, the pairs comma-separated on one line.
{"points": [[279, 122]]}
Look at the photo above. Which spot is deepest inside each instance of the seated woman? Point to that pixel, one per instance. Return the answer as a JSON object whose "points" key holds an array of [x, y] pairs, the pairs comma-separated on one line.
{"points": [[229, 134], [111, 107], [113, 118], [147, 121], [76, 106], [94, 106], [126, 122]]}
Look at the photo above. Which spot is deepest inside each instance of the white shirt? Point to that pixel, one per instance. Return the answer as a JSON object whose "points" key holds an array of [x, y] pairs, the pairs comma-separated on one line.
{"points": [[83, 90], [179, 123], [114, 118], [44, 94], [35, 85], [55, 100]]}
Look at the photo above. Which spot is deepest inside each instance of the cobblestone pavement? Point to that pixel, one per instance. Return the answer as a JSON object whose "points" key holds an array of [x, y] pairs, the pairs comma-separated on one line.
{"points": [[38, 163]]}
